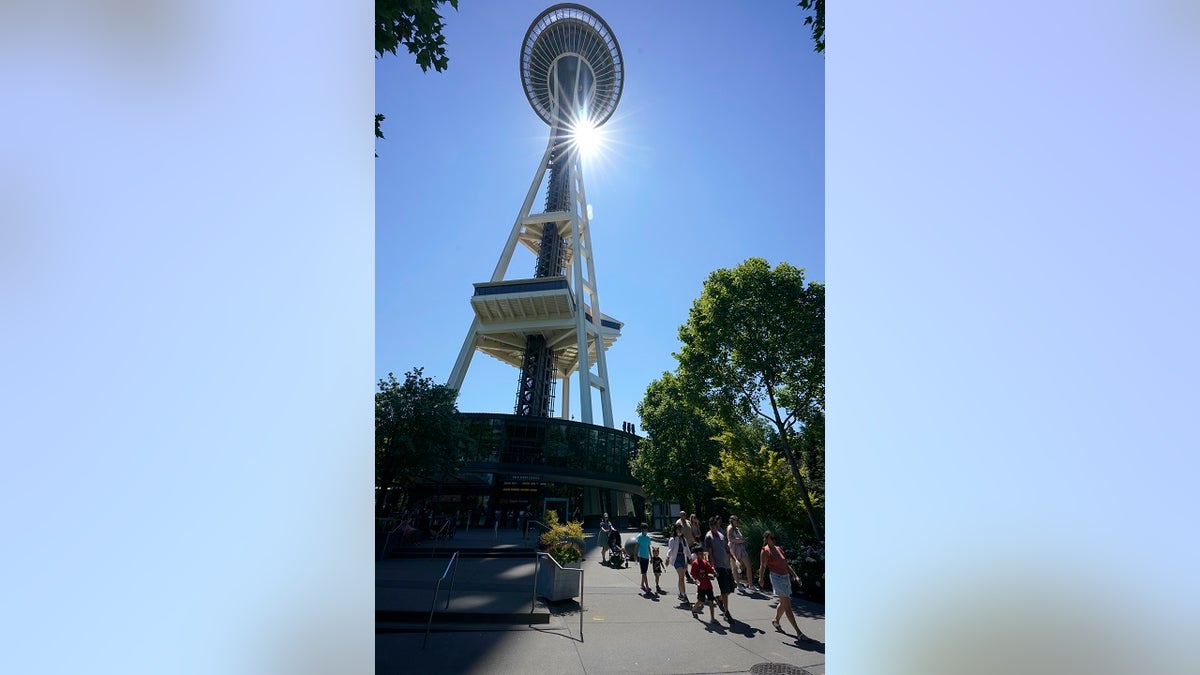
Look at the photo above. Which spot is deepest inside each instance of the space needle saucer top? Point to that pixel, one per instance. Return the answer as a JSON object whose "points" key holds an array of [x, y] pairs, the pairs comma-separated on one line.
{"points": [[570, 51]]}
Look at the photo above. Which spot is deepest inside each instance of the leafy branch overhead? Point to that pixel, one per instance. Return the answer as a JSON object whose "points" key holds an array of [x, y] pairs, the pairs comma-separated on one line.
{"points": [[417, 25], [816, 20]]}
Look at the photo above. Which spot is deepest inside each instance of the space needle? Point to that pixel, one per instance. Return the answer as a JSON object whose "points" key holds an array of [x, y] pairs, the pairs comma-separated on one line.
{"points": [[550, 326]]}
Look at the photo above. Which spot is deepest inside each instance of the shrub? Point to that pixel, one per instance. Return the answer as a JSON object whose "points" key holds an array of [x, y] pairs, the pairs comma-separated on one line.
{"points": [[563, 541]]}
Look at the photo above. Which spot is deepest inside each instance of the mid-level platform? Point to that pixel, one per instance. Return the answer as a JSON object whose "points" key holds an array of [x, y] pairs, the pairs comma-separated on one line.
{"points": [[510, 311]]}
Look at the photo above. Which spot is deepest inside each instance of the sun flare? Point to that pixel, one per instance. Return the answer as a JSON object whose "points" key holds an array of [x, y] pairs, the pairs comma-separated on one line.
{"points": [[587, 138]]}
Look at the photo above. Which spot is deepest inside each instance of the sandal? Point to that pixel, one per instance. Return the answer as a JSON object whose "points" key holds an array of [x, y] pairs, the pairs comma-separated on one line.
{"points": [[777, 626]]}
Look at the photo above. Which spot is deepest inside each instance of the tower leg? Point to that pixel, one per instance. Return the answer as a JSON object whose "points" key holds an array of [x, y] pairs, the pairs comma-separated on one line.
{"points": [[566, 396], [459, 372], [602, 371]]}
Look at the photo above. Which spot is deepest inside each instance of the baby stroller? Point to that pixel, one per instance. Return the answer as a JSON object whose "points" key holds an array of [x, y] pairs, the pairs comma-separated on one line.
{"points": [[616, 552]]}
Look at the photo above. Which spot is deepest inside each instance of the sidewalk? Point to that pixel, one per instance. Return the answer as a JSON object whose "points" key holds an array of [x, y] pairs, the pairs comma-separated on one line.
{"points": [[623, 632]]}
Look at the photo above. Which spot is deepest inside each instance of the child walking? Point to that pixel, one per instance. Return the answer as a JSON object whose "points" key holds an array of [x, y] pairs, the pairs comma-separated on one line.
{"points": [[657, 561], [643, 542], [703, 573]]}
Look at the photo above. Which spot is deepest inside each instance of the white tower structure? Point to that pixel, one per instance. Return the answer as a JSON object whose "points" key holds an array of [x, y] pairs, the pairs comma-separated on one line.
{"points": [[550, 325]]}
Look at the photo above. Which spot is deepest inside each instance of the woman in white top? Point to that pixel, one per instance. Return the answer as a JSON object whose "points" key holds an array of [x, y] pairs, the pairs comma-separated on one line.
{"points": [[677, 558]]}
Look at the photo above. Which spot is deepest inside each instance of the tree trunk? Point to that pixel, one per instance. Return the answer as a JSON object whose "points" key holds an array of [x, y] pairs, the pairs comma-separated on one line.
{"points": [[794, 464]]}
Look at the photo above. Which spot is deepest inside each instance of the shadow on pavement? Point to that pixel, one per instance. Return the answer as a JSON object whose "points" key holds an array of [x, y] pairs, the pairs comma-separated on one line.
{"points": [[563, 607], [808, 645], [745, 629]]}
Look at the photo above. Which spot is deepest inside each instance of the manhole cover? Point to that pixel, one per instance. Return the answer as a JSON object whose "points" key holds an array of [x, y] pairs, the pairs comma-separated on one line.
{"points": [[777, 669]]}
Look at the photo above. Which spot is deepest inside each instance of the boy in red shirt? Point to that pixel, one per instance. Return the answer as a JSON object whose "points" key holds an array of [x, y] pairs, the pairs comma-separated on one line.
{"points": [[702, 572]]}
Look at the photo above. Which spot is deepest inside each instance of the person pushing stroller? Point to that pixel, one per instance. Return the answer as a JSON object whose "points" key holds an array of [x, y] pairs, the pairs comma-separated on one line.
{"points": [[616, 553]]}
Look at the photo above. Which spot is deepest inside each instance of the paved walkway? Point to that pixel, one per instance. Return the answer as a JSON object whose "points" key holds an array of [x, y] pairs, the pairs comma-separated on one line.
{"points": [[622, 632]]}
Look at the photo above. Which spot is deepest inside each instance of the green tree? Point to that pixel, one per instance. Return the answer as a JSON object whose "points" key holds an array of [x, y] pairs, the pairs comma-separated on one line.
{"points": [[754, 346], [756, 484], [417, 25], [673, 460], [816, 20], [419, 434]]}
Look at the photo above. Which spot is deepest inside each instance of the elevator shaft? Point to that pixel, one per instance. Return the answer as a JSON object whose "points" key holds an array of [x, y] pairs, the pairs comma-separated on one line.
{"points": [[535, 388]]}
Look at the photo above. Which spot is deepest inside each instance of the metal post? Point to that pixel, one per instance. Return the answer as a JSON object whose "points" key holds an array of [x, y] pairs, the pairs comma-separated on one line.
{"points": [[537, 565], [581, 604], [453, 573], [436, 589]]}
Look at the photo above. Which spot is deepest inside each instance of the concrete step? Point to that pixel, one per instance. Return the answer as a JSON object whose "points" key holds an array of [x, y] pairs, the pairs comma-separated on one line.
{"points": [[408, 621], [445, 553]]}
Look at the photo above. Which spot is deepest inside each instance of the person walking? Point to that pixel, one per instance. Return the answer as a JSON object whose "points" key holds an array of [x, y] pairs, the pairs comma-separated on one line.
{"points": [[741, 559], [656, 562], [697, 531], [719, 555], [677, 559], [685, 526], [702, 572], [643, 542], [606, 530], [774, 561]]}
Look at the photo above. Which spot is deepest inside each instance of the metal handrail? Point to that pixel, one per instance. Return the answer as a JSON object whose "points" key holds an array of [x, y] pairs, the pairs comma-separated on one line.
{"points": [[533, 600], [436, 589], [388, 538]]}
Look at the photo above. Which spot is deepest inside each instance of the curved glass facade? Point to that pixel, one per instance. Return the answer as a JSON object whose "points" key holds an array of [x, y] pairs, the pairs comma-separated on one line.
{"points": [[585, 449], [541, 463]]}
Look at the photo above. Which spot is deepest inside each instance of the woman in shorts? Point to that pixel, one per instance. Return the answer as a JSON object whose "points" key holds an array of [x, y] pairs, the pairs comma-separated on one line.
{"points": [[782, 573], [677, 558]]}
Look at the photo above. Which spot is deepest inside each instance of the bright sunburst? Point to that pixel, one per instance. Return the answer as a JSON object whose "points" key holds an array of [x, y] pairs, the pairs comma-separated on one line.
{"points": [[587, 137]]}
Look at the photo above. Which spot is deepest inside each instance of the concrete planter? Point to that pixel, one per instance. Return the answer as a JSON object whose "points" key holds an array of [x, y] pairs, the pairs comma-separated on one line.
{"points": [[555, 582]]}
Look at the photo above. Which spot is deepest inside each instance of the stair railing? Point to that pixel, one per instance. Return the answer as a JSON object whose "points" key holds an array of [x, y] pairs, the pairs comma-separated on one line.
{"points": [[449, 566], [388, 538], [533, 600]]}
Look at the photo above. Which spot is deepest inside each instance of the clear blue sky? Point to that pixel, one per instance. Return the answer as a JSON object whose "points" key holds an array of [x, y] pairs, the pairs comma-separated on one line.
{"points": [[715, 154]]}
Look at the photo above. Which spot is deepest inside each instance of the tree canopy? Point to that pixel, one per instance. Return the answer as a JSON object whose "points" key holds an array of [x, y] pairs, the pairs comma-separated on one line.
{"points": [[680, 442], [756, 483], [754, 346], [419, 434]]}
